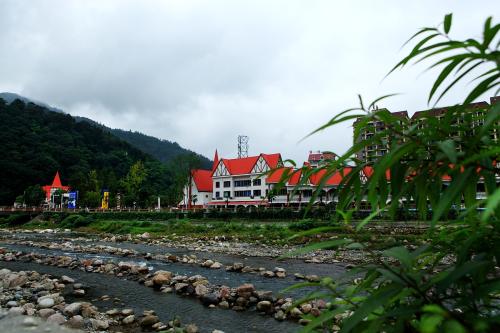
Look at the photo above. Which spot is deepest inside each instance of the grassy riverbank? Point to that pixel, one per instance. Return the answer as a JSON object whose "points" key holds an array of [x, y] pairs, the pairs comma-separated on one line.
{"points": [[273, 233]]}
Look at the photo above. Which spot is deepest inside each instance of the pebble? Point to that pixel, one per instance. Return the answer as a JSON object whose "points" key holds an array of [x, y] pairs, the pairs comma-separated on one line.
{"points": [[45, 303], [29, 322], [75, 322], [57, 318], [128, 320]]}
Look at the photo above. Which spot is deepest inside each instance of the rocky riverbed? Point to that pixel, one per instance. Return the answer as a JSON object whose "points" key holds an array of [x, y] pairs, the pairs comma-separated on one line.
{"points": [[52, 299], [208, 245], [232, 291]]}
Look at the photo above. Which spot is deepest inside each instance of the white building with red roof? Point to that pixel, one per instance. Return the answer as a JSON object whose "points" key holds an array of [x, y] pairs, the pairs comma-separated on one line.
{"points": [[242, 181], [198, 192]]}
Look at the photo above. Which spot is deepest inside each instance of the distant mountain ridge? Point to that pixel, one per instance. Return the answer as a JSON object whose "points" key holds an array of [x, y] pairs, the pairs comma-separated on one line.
{"points": [[11, 97], [162, 150]]}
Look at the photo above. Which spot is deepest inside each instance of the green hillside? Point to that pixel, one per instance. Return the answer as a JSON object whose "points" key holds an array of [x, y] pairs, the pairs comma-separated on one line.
{"points": [[36, 142], [162, 150]]}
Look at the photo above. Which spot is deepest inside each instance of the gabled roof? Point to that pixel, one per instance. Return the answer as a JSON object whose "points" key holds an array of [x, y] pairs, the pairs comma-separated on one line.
{"points": [[244, 165], [202, 180], [272, 159]]}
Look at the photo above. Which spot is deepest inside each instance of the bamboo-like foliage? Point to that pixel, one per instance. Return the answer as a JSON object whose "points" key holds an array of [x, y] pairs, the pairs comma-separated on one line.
{"points": [[451, 283]]}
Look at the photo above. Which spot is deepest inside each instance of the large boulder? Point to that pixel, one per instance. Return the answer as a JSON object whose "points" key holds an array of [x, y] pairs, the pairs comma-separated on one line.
{"points": [[245, 290], [209, 299], [265, 306], [75, 322], [57, 318], [162, 277], [149, 320], [73, 309], [200, 290], [12, 280]]}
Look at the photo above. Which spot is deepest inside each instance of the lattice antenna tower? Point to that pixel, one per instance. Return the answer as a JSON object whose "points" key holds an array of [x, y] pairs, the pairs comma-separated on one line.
{"points": [[242, 146]]}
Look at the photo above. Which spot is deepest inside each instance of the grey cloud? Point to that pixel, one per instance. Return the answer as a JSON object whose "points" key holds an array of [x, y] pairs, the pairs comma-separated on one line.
{"points": [[201, 72]]}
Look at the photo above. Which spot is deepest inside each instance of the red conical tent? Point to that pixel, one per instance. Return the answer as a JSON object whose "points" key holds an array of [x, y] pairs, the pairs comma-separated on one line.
{"points": [[56, 184], [57, 181]]}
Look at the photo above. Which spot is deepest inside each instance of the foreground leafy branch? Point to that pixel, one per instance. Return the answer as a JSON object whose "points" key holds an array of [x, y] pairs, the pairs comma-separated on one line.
{"points": [[451, 281]]}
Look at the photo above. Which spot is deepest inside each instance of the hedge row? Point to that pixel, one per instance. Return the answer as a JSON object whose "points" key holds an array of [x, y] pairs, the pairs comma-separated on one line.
{"points": [[321, 213]]}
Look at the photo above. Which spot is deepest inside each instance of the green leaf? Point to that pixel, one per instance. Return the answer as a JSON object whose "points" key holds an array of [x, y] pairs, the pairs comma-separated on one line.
{"points": [[325, 317], [450, 194], [448, 147], [442, 76], [430, 323], [491, 205], [400, 253], [392, 276], [376, 300], [458, 272], [433, 308], [453, 326], [368, 219], [447, 23]]}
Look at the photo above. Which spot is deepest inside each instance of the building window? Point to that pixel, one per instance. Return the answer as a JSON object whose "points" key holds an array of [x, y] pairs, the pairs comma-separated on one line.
{"points": [[256, 193], [256, 182], [217, 195], [227, 183], [241, 183], [217, 184], [239, 194], [227, 194]]}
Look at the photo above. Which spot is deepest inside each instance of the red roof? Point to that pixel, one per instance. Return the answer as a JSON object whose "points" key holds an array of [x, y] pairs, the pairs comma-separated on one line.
{"points": [[272, 159], [277, 174], [368, 171], [334, 179], [241, 166], [315, 179], [202, 180], [232, 203]]}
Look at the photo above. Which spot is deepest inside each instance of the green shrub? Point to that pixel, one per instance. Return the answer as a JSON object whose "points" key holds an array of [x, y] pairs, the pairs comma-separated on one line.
{"points": [[17, 219], [74, 221]]}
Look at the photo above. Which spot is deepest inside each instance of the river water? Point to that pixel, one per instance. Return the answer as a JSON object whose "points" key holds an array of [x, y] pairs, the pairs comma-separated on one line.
{"points": [[168, 306]]}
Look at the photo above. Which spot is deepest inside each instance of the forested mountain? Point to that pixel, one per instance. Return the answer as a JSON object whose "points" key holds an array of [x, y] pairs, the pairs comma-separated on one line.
{"points": [[36, 142], [162, 150], [11, 97]]}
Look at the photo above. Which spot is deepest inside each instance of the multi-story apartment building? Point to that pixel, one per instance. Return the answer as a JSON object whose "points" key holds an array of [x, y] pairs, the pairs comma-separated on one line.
{"points": [[369, 153]]}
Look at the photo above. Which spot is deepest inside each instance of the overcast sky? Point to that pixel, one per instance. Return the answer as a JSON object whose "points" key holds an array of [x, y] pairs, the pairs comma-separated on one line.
{"points": [[202, 72]]}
